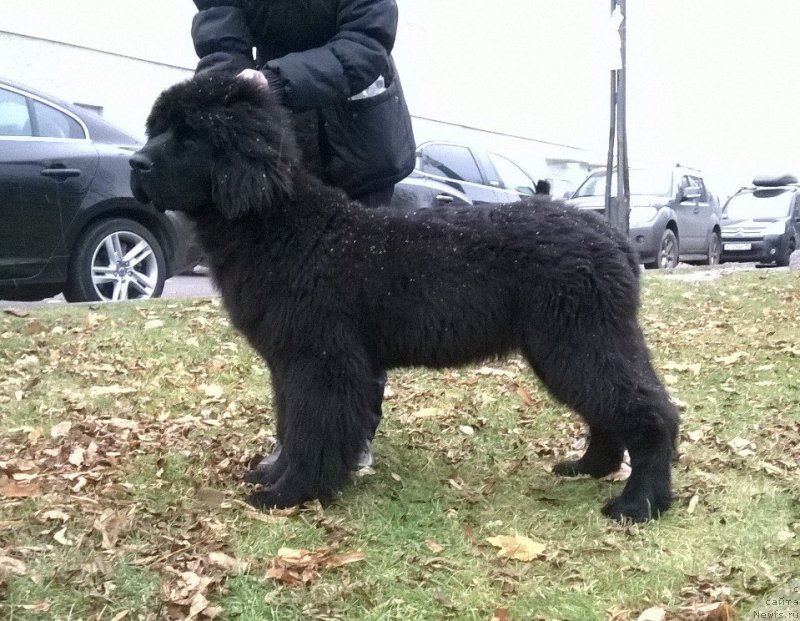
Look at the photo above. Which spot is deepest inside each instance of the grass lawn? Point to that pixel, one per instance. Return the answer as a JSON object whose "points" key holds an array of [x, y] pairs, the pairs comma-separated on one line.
{"points": [[125, 429]]}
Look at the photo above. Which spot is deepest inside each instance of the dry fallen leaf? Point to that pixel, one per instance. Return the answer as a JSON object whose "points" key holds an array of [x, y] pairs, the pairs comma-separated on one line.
{"points": [[61, 537], [653, 614], [40, 607], [523, 394], [719, 612], [55, 514], [213, 391], [76, 457], [501, 614], [742, 447], [12, 489], [296, 567], [11, 566], [228, 563], [61, 429], [433, 546], [517, 547], [114, 389]]}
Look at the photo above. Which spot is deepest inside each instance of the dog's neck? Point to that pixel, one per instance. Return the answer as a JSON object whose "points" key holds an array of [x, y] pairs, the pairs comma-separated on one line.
{"points": [[295, 220]]}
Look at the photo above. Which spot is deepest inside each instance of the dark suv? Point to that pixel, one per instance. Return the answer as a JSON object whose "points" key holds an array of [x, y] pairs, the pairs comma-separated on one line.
{"points": [[673, 215], [453, 174], [762, 222], [68, 221]]}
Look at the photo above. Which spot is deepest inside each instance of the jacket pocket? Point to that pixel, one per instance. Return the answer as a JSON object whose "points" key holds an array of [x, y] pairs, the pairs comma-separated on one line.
{"points": [[368, 143]]}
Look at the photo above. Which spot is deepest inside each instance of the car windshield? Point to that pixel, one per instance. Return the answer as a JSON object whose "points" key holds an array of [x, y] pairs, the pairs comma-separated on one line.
{"points": [[643, 182], [758, 204]]}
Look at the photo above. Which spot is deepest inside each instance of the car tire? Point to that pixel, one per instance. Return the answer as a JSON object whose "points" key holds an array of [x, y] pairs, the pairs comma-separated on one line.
{"points": [[116, 259], [784, 260], [714, 256], [668, 254]]}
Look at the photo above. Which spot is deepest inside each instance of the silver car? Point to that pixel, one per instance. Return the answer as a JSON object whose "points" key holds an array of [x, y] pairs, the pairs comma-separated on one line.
{"points": [[673, 217]]}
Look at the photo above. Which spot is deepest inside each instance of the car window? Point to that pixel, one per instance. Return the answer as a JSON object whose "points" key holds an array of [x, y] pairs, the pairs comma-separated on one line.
{"points": [[451, 161], [698, 183], [644, 182], [512, 176], [14, 117], [767, 203], [52, 123]]}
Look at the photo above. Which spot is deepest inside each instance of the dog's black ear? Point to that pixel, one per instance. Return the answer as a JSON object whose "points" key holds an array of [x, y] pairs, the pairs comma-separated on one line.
{"points": [[251, 180]]}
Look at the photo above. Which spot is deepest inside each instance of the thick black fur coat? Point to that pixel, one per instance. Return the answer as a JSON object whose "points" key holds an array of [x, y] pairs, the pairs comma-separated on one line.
{"points": [[331, 293]]}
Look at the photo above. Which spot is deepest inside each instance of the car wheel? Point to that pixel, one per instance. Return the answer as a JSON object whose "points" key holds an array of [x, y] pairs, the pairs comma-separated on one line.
{"points": [[787, 256], [667, 256], [714, 250], [116, 259]]}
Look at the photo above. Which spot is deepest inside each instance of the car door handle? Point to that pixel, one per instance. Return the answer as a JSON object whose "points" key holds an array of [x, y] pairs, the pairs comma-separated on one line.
{"points": [[444, 198], [61, 173]]}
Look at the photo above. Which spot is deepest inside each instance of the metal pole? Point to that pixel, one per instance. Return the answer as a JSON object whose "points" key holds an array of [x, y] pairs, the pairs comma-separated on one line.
{"points": [[623, 183], [618, 209], [612, 132], [611, 138]]}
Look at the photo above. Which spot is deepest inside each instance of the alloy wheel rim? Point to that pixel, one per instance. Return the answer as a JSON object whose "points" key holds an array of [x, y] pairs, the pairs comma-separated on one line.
{"points": [[124, 267], [668, 260], [716, 251]]}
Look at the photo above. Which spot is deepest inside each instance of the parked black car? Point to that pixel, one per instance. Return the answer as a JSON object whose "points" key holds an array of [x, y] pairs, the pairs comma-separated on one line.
{"points": [[762, 222], [453, 174], [68, 221], [673, 215]]}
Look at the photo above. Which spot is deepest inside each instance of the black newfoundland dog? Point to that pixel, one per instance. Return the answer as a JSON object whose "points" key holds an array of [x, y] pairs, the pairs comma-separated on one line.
{"points": [[332, 293]]}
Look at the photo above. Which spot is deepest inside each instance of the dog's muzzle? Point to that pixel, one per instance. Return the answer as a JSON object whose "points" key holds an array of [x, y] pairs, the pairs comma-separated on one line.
{"points": [[141, 165]]}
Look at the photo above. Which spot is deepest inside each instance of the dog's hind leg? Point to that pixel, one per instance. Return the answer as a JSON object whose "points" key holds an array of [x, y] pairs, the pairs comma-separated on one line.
{"points": [[323, 426], [602, 457], [604, 373]]}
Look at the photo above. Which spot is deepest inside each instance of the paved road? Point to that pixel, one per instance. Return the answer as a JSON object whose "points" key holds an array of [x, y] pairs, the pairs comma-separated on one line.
{"points": [[199, 285], [196, 285]]}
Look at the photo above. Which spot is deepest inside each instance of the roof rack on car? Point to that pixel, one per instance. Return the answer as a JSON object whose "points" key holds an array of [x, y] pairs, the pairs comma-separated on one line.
{"points": [[769, 181]]}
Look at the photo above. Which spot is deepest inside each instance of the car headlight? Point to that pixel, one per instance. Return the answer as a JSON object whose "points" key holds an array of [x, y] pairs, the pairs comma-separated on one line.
{"points": [[642, 215], [774, 228]]}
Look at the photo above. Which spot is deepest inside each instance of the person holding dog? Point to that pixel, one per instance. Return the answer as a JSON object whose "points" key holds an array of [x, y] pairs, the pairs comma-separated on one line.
{"points": [[330, 63]]}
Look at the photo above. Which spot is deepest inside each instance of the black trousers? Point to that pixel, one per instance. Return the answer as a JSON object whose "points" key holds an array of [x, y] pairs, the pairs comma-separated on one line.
{"points": [[378, 198]]}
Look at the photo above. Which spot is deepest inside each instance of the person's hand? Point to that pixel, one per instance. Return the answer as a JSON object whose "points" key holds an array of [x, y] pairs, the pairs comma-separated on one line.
{"points": [[255, 76]]}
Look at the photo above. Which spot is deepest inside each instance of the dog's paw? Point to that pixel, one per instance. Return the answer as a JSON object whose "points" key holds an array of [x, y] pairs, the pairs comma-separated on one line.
{"points": [[276, 499], [636, 510], [582, 466], [265, 475], [567, 469], [259, 477]]}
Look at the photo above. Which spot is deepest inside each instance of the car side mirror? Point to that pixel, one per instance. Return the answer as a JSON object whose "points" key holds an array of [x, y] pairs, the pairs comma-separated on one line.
{"points": [[691, 193]]}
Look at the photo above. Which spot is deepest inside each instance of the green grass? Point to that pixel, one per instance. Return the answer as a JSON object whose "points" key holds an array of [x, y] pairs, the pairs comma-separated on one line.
{"points": [[134, 423]]}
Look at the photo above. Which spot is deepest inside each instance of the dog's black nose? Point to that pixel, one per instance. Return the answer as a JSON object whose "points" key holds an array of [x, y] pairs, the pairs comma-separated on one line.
{"points": [[140, 162]]}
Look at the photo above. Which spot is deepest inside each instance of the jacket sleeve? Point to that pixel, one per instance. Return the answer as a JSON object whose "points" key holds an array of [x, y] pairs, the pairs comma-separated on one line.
{"points": [[221, 36], [347, 64]]}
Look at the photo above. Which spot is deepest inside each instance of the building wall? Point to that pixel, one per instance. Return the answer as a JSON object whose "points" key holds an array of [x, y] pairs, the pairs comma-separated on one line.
{"points": [[116, 55], [121, 87]]}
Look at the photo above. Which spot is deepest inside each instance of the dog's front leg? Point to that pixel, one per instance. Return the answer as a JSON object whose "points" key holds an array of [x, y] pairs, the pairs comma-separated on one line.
{"points": [[324, 423]]}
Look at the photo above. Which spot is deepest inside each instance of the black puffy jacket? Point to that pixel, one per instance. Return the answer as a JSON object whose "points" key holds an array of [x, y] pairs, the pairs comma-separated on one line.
{"points": [[316, 55]]}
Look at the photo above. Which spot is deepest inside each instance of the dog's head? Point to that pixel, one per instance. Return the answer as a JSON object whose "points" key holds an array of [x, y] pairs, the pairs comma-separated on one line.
{"points": [[215, 142]]}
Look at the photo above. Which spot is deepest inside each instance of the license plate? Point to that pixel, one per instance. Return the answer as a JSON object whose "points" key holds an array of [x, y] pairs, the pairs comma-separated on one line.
{"points": [[737, 246]]}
